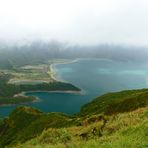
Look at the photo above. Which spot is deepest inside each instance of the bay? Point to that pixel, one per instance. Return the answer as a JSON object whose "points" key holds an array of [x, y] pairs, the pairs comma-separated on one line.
{"points": [[94, 77]]}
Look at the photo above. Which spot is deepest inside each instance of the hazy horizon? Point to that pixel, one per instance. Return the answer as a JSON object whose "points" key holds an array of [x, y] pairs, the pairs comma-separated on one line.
{"points": [[82, 22]]}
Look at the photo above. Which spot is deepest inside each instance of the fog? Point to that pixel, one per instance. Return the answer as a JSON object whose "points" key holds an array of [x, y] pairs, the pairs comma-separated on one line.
{"points": [[32, 31], [83, 22]]}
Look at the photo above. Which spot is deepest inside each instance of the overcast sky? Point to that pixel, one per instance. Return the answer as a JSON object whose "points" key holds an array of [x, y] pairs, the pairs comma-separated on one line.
{"points": [[75, 21]]}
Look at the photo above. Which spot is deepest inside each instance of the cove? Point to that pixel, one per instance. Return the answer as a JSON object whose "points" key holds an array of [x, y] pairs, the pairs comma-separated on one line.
{"points": [[94, 77]]}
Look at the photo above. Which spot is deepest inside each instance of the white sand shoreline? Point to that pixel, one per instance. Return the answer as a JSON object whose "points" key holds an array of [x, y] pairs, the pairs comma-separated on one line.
{"points": [[53, 70]]}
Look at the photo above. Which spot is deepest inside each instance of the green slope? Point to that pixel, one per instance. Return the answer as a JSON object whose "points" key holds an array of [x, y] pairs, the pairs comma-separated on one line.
{"points": [[127, 130], [25, 123], [116, 102], [109, 119]]}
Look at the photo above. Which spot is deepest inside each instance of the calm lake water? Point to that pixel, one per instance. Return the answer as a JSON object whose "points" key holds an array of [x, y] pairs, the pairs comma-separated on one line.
{"points": [[95, 77]]}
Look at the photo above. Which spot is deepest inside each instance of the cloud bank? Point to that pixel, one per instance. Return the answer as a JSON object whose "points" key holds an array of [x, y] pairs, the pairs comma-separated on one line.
{"points": [[76, 21]]}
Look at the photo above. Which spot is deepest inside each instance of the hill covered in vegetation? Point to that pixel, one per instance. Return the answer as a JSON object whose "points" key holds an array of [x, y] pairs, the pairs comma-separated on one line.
{"points": [[8, 92], [116, 102], [112, 120]]}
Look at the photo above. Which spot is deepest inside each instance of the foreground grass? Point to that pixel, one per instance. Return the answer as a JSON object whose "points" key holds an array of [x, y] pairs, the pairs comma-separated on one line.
{"points": [[120, 132]]}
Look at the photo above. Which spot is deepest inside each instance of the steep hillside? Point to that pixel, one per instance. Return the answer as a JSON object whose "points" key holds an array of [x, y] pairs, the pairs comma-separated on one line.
{"points": [[125, 130], [112, 103], [112, 120], [25, 123]]}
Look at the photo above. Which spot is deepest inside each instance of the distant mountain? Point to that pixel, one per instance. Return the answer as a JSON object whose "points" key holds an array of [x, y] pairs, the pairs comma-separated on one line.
{"points": [[40, 52]]}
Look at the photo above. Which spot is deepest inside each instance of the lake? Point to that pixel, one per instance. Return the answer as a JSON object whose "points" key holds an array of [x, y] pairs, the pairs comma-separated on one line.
{"points": [[95, 77]]}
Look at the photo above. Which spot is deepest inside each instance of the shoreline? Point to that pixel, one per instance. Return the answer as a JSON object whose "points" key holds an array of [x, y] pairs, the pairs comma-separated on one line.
{"points": [[54, 77], [37, 99], [22, 94], [55, 91], [53, 69]]}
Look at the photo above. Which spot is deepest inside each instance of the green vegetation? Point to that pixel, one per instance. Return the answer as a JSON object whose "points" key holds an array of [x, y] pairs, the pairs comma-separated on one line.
{"points": [[25, 123], [121, 122], [8, 91], [15, 80], [16, 100], [121, 132], [112, 103]]}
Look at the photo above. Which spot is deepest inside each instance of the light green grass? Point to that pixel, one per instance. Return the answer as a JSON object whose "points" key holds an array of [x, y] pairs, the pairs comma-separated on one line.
{"points": [[126, 134]]}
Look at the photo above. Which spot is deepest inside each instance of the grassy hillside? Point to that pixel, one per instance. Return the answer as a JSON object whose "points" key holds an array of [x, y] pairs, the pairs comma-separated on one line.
{"points": [[25, 123], [126, 130], [112, 103], [112, 120]]}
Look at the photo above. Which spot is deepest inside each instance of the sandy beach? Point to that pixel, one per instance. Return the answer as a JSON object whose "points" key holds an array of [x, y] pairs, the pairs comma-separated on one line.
{"points": [[53, 73]]}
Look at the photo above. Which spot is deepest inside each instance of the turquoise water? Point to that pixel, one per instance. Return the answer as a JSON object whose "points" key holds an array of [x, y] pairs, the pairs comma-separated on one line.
{"points": [[95, 77]]}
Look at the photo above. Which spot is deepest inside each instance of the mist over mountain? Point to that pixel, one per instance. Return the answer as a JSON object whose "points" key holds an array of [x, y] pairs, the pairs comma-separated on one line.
{"points": [[36, 52], [91, 29]]}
